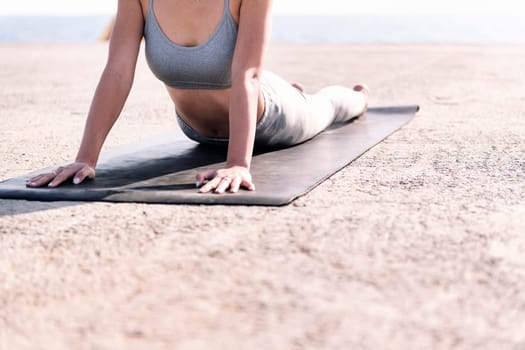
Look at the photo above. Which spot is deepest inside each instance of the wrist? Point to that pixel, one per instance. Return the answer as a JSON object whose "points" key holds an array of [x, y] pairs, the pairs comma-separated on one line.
{"points": [[240, 160], [87, 160], [235, 163]]}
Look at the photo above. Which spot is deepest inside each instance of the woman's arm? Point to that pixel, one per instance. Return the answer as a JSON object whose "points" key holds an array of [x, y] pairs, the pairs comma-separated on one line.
{"points": [[116, 81], [110, 95], [252, 42]]}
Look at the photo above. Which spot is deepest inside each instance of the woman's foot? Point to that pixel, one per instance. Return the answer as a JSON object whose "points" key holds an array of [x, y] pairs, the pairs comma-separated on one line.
{"points": [[365, 90]]}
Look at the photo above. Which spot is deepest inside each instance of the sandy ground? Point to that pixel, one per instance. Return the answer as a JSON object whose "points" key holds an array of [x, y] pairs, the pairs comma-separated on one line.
{"points": [[417, 245]]}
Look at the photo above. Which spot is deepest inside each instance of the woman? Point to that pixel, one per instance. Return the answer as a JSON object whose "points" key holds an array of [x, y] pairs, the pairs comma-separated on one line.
{"points": [[209, 54]]}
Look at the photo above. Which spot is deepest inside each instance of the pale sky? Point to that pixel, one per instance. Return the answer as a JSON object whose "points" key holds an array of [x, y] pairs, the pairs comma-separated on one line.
{"points": [[289, 6]]}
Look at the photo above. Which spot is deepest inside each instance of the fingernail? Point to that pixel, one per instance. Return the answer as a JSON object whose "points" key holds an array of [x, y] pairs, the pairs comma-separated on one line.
{"points": [[76, 180], [198, 184]]}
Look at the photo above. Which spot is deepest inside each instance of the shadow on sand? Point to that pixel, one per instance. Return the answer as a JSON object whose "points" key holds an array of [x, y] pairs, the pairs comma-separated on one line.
{"points": [[12, 207]]}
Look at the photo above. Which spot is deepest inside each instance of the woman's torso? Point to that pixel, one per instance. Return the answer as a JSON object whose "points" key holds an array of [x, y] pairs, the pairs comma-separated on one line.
{"points": [[190, 24]]}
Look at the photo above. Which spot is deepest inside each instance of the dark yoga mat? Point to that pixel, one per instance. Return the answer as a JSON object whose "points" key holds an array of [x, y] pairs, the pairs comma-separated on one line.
{"points": [[162, 170]]}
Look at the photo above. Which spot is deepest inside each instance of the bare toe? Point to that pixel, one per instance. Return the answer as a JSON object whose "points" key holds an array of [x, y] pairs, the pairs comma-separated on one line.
{"points": [[365, 90], [298, 86], [362, 88]]}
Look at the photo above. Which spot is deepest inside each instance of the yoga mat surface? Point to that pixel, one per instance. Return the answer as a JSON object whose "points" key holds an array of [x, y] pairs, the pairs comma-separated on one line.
{"points": [[163, 169]]}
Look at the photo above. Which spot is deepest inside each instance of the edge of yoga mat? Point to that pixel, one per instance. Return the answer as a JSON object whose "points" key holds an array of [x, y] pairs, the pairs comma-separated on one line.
{"points": [[156, 181]]}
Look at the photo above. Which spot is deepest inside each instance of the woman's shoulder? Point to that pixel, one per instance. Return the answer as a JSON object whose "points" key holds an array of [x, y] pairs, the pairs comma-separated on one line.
{"points": [[256, 8]]}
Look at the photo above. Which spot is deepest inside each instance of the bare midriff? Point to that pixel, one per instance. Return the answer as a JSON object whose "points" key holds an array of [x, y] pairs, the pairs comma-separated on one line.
{"points": [[207, 111]]}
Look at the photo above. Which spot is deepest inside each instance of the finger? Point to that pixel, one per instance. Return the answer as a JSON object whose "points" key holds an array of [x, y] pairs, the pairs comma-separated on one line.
{"points": [[40, 180], [224, 184], [210, 185], [248, 185], [203, 176], [236, 184], [36, 178], [62, 175], [82, 174]]}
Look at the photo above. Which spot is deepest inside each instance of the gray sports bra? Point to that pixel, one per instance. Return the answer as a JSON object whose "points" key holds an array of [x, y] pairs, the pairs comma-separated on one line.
{"points": [[206, 66]]}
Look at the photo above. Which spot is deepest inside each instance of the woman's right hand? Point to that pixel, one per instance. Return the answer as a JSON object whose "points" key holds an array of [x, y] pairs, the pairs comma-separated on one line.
{"points": [[79, 171]]}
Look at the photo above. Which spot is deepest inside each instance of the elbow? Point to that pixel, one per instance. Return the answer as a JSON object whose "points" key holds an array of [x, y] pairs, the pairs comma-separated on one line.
{"points": [[121, 68], [254, 74], [250, 78], [121, 74]]}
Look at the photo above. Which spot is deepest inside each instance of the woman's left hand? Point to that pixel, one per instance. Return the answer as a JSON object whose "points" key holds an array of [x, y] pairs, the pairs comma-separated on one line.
{"points": [[229, 179]]}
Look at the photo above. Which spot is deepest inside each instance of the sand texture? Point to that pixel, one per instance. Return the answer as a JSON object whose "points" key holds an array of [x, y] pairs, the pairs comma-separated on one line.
{"points": [[419, 244]]}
